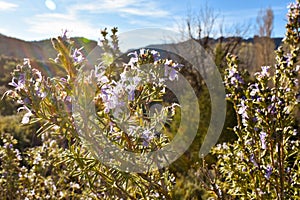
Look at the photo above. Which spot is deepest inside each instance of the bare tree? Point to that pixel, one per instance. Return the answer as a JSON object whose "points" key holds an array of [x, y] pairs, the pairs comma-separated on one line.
{"points": [[201, 26], [264, 21], [263, 43]]}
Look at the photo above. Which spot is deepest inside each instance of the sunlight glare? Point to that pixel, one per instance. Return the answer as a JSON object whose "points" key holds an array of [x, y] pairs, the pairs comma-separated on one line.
{"points": [[50, 4]]}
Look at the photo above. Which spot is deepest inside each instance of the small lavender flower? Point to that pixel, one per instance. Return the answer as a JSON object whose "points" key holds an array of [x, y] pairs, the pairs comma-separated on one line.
{"points": [[236, 79], [170, 69], [268, 171], [9, 146], [147, 137], [254, 89], [239, 79], [130, 84], [77, 55], [272, 110], [99, 74], [19, 83], [252, 159], [254, 119], [243, 110], [131, 95], [288, 58], [142, 51], [18, 154], [26, 117], [40, 94], [232, 72], [173, 74], [24, 101], [113, 97], [134, 59], [262, 137], [155, 55], [265, 71]]}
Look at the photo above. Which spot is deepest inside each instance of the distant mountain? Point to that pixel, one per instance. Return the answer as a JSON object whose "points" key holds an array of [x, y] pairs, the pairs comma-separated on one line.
{"points": [[43, 50], [212, 41], [13, 51], [39, 50]]}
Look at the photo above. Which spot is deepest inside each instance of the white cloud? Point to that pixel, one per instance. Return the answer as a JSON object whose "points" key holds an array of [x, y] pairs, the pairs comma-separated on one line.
{"points": [[139, 12], [7, 6], [73, 20], [129, 7], [54, 24]]}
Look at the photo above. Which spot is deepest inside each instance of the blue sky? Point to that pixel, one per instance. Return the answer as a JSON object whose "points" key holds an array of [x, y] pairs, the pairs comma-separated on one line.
{"points": [[43, 19]]}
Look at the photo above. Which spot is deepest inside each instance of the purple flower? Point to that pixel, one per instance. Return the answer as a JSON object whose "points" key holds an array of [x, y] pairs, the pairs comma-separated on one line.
{"points": [[133, 59], [130, 84], [101, 78], [10, 146], [77, 55], [254, 89], [268, 171], [131, 95], [252, 159], [170, 69], [19, 83], [112, 97], [289, 58], [147, 137], [239, 78], [40, 94], [272, 109], [254, 119], [243, 110], [265, 71], [173, 74], [262, 137], [236, 79], [231, 72], [24, 101], [26, 117], [155, 55], [64, 35], [142, 51], [104, 95]]}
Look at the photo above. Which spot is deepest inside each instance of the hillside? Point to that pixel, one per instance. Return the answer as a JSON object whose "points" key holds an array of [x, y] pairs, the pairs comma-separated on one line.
{"points": [[42, 50], [39, 50]]}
